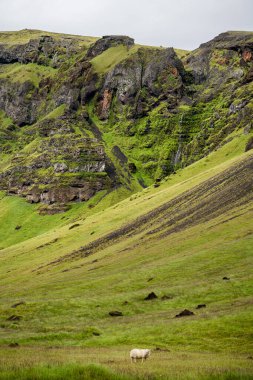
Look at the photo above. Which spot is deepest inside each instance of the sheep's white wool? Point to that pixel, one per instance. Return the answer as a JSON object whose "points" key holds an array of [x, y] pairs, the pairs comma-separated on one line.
{"points": [[138, 353]]}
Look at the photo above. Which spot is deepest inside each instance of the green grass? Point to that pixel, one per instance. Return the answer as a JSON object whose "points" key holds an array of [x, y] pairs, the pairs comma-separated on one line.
{"points": [[63, 327], [5, 121], [68, 372], [111, 57], [25, 35], [34, 224], [109, 364], [57, 112], [181, 53], [21, 73], [67, 302], [114, 55]]}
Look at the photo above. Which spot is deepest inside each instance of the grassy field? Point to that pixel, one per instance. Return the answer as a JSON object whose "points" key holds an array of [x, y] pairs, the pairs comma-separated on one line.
{"points": [[68, 271], [114, 364]]}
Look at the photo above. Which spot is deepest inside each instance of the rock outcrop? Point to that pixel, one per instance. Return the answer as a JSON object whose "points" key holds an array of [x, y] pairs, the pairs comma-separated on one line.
{"points": [[70, 127], [19, 101], [106, 42], [141, 80], [44, 51]]}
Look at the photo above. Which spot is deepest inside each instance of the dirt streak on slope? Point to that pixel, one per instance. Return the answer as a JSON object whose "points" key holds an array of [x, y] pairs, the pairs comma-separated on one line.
{"points": [[223, 192]]}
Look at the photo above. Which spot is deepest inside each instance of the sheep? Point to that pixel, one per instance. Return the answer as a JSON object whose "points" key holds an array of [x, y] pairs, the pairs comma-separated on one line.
{"points": [[138, 353]]}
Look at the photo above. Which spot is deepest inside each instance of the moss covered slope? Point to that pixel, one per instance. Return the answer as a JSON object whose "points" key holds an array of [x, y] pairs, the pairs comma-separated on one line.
{"points": [[82, 115]]}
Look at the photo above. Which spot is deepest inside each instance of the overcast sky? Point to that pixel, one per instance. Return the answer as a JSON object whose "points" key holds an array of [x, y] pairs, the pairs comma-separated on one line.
{"points": [[179, 23]]}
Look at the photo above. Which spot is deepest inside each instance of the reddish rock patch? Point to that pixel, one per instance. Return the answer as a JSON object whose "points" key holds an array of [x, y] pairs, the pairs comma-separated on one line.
{"points": [[247, 55], [104, 105]]}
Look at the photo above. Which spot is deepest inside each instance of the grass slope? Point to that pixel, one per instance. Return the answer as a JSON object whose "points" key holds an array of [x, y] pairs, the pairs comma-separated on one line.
{"points": [[68, 293], [18, 72], [25, 35], [111, 57]]}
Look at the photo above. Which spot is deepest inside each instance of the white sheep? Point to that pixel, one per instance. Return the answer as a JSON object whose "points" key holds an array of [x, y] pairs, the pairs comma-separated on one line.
{"points": [[138, 353]]}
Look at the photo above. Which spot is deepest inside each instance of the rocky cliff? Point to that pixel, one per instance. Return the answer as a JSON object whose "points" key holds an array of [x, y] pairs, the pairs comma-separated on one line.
{"points": [[79, 115]]}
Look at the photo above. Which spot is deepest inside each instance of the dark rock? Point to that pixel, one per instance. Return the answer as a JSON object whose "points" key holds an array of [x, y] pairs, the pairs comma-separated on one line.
{"points": [[248, 76], [166, 297], [106, 42], [87, 155], [158, 72], [42, 50], [60, 167], [74, 226], [17, 227], [247, 129], [200, 306], [150, 296], [115, 313], [14, 345], [52, 209], [14, 318], [184, 313], [18, 304], [132, 167], [13, 100], [119, 154], [96, 333], [64, 164], [230, 40], [249, 144], [226, 278]]}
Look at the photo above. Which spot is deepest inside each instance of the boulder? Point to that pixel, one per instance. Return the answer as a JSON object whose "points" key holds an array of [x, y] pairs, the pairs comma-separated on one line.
{"points": [[201, 306], [184, 313], [150, 296], [115, 313]]}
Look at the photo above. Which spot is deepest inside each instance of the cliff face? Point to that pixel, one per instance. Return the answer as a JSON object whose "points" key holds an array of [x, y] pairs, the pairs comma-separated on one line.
{"points": [[80, 115]]}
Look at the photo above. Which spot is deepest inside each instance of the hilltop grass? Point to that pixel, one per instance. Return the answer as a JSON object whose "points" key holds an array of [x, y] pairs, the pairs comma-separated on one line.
{"points": [[111, 57], [25, 35], [105, 61], [182, 53]]}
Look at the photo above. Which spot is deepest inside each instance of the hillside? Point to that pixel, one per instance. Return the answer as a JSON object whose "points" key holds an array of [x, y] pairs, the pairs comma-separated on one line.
{"points": [[125, 170], [81, 115]]}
